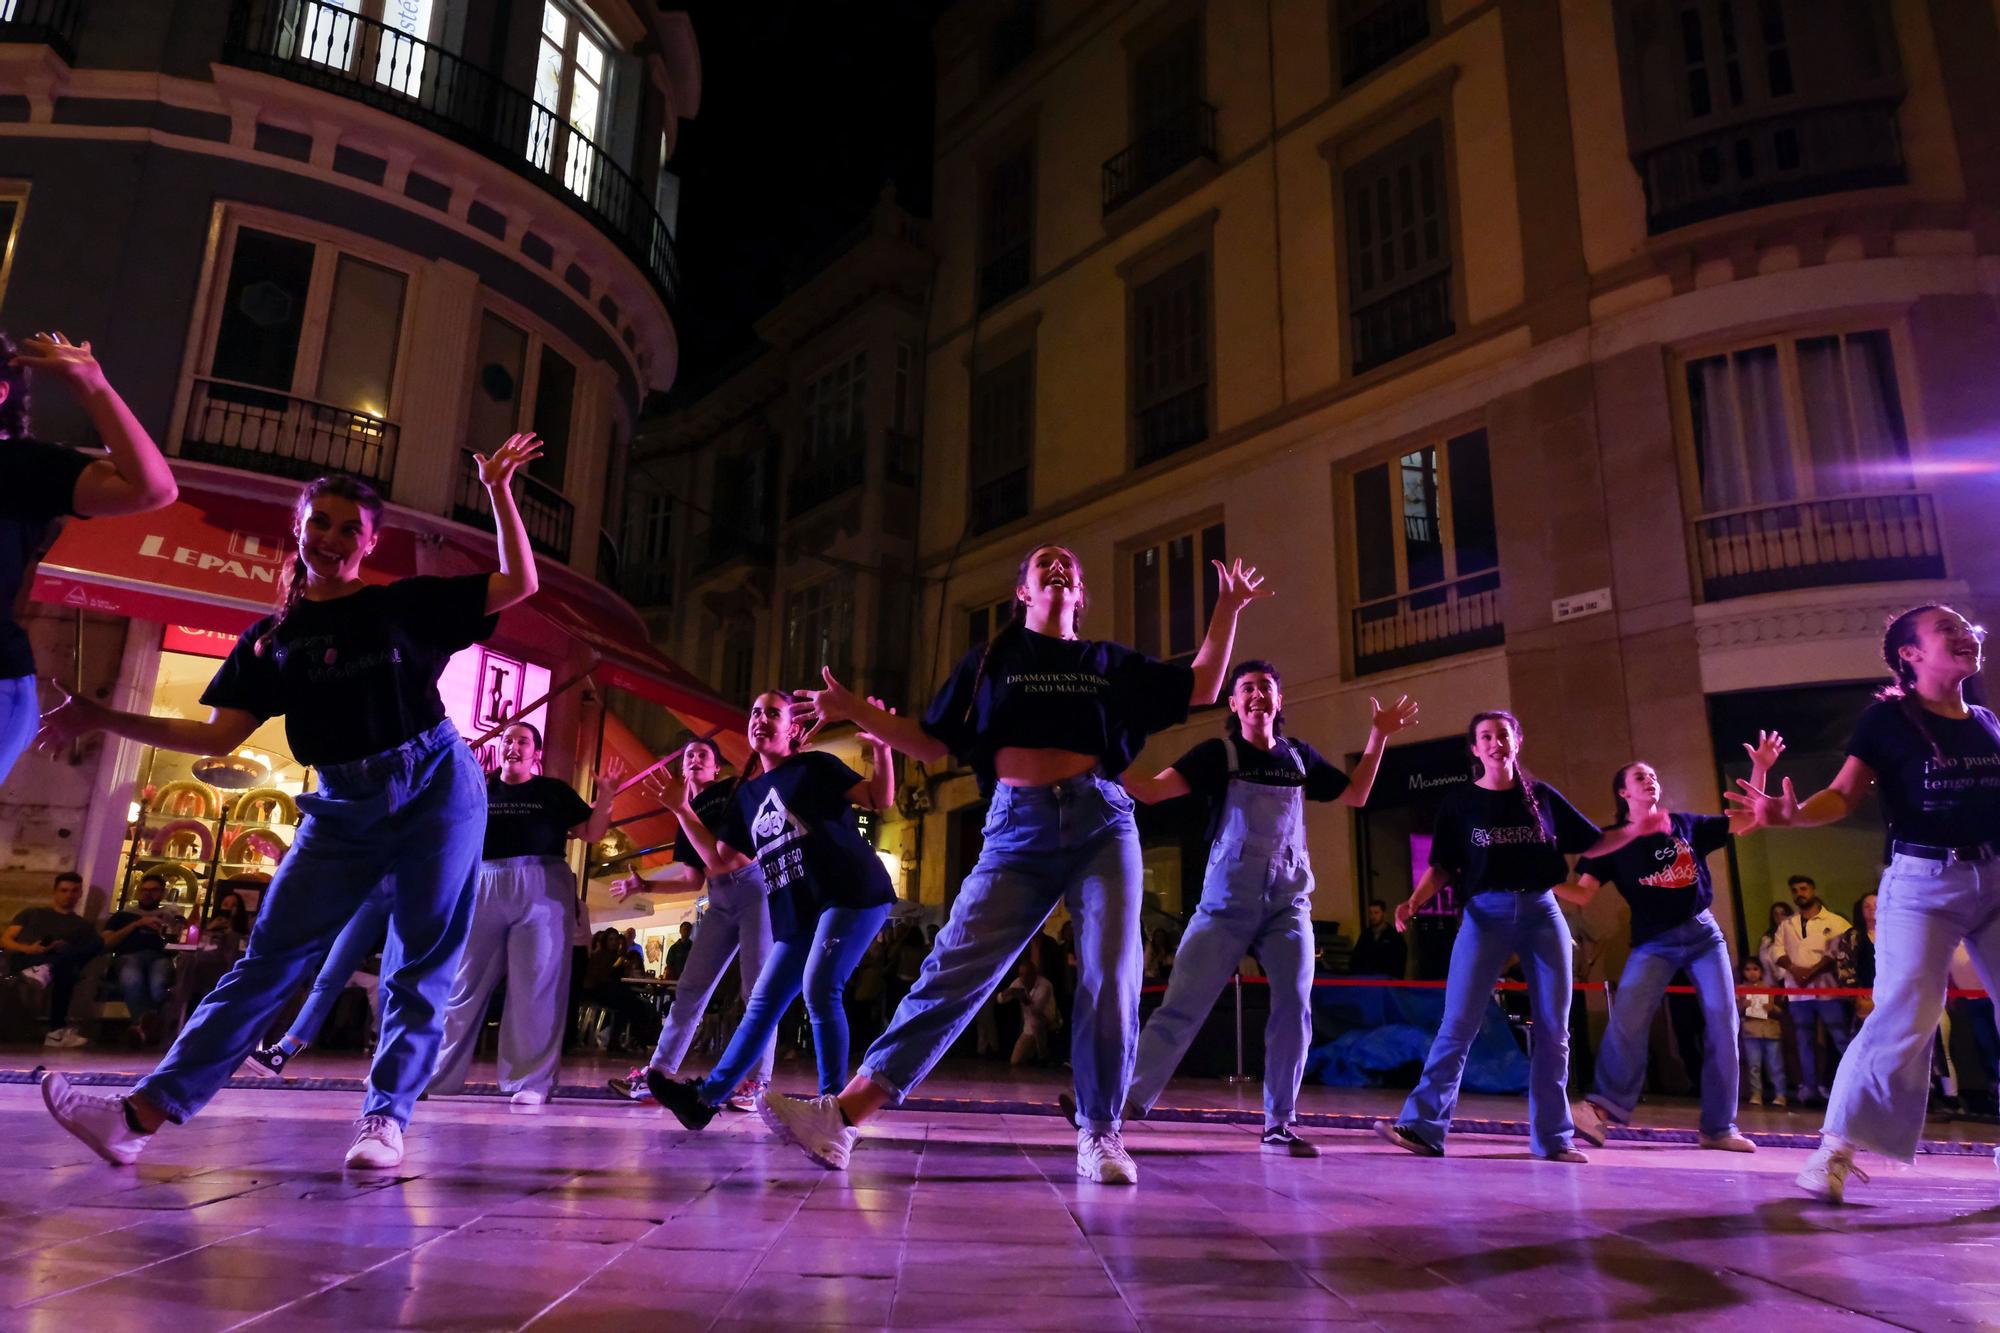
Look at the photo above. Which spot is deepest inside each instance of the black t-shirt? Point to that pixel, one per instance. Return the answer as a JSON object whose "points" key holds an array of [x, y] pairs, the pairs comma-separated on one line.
{"points": [[1948, 802], [797, 821], [1487, 843], [1663, 876], [531, 818], [1037, 692], [711, 806], [143, 940], [37, 486], [45, 925], [356, 675], [1207, 770]]}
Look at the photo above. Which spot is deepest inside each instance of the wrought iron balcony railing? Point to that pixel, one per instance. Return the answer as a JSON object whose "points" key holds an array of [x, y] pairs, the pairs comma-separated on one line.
{"points": [[1442, 620], [814, 482], [545, 511], [260, 430], [1401, 322], [1170, 143], [999, 501], [1818, 543]]}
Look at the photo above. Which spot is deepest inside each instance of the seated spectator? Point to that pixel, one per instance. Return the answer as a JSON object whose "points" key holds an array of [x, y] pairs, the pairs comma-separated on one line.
{"points": [[50, 945], [137, 937], [1380, 950], [1763, 1057]]}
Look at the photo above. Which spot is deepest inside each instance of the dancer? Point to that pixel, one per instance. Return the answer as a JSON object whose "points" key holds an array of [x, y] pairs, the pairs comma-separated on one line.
{"points": [[1256, 896], [736, 925], [1501, 841], [42, 482], [1047, 720], [829, 893], [1936, 760], [521, 912], [361, 936], [1659, 863], [353, 668]]}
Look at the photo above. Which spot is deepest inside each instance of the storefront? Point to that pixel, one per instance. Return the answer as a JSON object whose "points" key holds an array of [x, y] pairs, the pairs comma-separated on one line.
{"points": [[1393, 841]]}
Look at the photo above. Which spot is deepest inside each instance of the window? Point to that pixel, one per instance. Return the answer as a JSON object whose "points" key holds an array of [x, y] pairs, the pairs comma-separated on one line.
{"points": [[572, 71], [1003, 439], [1171, 125], [819, 629], [652, 529], [1173, 592], [737, 656], [1008, 223], [1427, 555], [1166, 78], [507, 398], [1011, 39], [903, 411], [1170, 360], [983, 622], [1368, 34], [833, 438], [389, 37], [1734, 104], [13, 207], [555, 400], [667, 194], [1398, 249]]}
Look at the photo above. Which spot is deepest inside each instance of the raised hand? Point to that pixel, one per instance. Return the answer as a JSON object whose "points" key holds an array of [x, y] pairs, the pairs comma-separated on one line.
{"points": [[1238, 584], [1406, 911], [870, 738], [54, 354], [1388, 721], [1764, 754], [611, 774], [628, 887], [669, 789], [813, 709], [68, 722], [497, 469], [1766, 809]]}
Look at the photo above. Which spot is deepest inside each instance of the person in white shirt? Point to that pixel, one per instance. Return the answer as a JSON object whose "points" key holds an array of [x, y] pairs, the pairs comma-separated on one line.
{"points": [[1805, 955]]}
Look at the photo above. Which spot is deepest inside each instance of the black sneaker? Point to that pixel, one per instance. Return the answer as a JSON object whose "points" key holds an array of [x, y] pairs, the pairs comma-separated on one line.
{"points": [[1406, 1138], [1281, 1139], [1067, 1105], [266, 1061], [632, 1087], [678, 1096]]}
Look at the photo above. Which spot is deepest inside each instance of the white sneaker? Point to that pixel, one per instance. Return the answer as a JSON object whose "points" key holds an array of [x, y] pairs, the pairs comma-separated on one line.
{"points": [[65, 1039], [41, 974], [528, 1097], [97, 1120], [378, 1144], [1589, 1121], [812, 1124], [1826, 1171], [1730, 1142], [1102, 1158]]}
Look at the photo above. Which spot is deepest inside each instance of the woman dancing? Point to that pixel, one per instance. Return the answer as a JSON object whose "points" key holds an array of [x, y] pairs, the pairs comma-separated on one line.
{"points": [[522, 909], [736, 925], [1256, 896], [353, 668], [1502, 840], [1936, 759], [1659, 861], [794, 811], [1047, 720]]}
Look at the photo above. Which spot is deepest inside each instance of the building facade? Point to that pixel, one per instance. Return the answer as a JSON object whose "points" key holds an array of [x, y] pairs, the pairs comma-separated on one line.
{"points": [[306, 236], [1623, 363]]}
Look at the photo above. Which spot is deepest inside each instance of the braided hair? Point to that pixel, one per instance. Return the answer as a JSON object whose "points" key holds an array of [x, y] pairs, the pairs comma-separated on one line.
{"points": [[1898, 634], [292, 582], [14, 411], [1017, 624], [1232, 725], [1524, 781]]}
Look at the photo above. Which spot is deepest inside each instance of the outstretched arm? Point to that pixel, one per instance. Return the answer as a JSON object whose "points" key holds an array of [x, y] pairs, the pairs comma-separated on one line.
{"points": [[1783, 808], [877, 791], [718, 857], [136, 477], [1385, 723], [1238, 586], [1763, 757], [1162, 786], [836, 703], [1582, 890], [518, 578], [1427, 888], [73, 718]]}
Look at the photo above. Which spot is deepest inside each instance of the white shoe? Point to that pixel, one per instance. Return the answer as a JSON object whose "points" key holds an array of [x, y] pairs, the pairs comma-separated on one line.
{"points": [[41, 974], [1589, 1121], [812, 1124], [528, 1097], [1730, 1142], [1102, 1158], [65, 1039], [97, 1120], [378, 1144], [1826, 1171]]}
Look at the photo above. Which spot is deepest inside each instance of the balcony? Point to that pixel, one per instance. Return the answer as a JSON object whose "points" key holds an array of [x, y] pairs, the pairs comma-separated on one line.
{"points": [[1176, 139], [1442, 620], [1818, 150], [1401, 322], [51, 23], [1371, 40], [1170, 425], [259, 430], [730, 540], [999, 501], [1818, 543], [325, 47], [815, 481], [545, 511], [1003, 275]]}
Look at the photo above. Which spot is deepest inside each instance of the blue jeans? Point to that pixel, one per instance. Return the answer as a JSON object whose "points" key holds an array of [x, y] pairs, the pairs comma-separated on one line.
{"points": [[146, 980], [736, 925], [1923, 909], [1837, 1014], [356, 938], [1764, 1067], [1698, 946], [416, 814], [820, 966], [1075, 843], [1495, 927], [20, 717]]}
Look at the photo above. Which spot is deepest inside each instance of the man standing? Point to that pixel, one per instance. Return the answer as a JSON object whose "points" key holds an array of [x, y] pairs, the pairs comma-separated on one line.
{"points": [[50, 945], [678, 951], [1805, 955], [137, 937], [1380, 950]]}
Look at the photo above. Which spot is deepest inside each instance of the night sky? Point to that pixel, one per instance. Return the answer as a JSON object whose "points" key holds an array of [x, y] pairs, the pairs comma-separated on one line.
{"points": [[808, 108]]}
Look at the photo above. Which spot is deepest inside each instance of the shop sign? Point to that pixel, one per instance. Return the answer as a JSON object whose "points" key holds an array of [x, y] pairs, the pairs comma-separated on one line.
{"points": [[200, 642]]}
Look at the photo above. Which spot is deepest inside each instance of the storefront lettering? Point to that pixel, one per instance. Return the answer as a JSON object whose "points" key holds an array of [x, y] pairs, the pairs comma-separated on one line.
{"points": [[155, 548]]}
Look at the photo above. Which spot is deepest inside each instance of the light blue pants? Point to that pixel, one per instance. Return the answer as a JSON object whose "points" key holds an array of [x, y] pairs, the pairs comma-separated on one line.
{"points": [[1697, 945], [416, 815], [20, 718], [818, 965], [738, 921], [356, 938], [1074, 843], [522, 907], [1764, 1067], [1837, 1014], [1250, 904], [1496, 927], [1922, 910]]}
